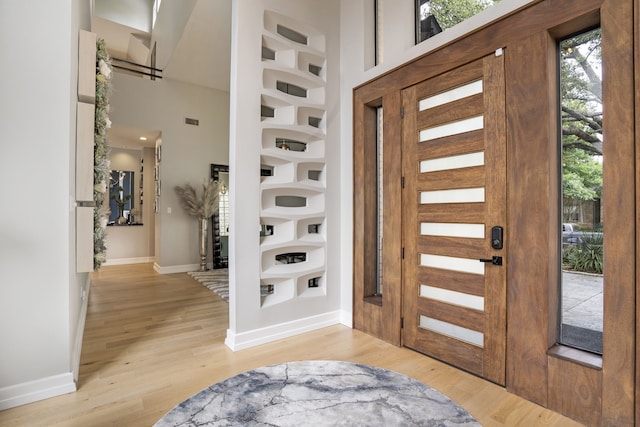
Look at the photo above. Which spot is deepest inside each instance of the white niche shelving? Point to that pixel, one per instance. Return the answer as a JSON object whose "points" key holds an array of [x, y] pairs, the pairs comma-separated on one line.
{"points": [[292, 158]]}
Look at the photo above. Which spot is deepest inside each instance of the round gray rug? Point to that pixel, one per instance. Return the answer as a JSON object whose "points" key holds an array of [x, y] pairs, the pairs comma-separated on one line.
{"points": [[318, 393]]}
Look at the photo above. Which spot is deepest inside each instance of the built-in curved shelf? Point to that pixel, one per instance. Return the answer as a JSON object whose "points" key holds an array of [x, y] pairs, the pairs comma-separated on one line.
{"points": [[278, 231], [292, 158], [301, 182], [311, 285], [281, 289], [311, 229], [272, 267], [274, 21], [311, 174], [314, 137], [290, 200], [276, 99], [272, 72]]}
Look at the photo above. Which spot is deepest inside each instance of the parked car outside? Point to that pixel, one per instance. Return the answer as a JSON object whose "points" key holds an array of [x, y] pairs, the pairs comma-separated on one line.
{"points": [[573, 235]]}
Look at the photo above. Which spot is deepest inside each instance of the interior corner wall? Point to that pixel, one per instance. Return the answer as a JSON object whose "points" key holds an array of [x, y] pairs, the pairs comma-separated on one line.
{"points": [[170, 23], [251, 322], [39, 306], [78, 282], [132, 13], [187, 152]]}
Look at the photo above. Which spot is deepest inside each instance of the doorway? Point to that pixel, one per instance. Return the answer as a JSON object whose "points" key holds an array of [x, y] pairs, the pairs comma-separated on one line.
{"points": [[454, 217]]}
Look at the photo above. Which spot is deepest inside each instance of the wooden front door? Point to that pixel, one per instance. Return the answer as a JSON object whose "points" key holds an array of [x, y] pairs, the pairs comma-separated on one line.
{"points": [[454, 199]]}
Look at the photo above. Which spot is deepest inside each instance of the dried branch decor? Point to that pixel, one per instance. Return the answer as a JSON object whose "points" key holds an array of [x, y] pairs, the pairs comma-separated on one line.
{"points": [[201, 207]]}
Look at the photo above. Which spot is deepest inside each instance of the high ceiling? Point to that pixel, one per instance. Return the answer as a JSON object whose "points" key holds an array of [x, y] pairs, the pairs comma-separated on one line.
{"points": [[202, 55]]}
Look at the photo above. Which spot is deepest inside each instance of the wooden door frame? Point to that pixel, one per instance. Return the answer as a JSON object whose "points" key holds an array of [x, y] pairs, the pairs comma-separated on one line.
{"points": [[537, 369]]}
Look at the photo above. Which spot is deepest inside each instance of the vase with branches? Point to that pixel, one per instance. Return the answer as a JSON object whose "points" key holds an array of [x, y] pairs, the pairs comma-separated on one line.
{"points": [[202, 207], [121, 200]]}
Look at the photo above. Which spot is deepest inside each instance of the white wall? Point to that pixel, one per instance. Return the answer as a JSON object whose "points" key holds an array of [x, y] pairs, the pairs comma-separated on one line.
{"points": [[187, 152], [39, 289], [250, 323], [132, 13], [170, 23]]}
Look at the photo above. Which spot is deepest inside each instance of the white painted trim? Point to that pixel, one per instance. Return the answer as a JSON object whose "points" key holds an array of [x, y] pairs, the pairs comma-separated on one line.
{"points": [[123, 261], [176, 268], [77, 345], [346, 318], [260, 336], [40, 389]]}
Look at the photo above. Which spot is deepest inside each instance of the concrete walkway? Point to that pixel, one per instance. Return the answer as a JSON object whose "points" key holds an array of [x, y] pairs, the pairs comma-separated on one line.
{"points": [[582, 300]]}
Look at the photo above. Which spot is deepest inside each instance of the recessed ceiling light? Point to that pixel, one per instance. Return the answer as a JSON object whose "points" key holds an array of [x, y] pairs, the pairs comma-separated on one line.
{"points": [[143, 138]]}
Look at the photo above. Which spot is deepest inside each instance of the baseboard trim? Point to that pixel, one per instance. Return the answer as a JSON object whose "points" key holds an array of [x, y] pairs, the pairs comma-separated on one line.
{"points": [[346, 318], [260, 336], [32, 391], [77, 345], [123, 261], [176, 268]]}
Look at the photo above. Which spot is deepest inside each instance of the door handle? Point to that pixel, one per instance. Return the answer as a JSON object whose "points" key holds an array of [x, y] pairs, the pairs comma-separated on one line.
{"points": [[495, 260]]}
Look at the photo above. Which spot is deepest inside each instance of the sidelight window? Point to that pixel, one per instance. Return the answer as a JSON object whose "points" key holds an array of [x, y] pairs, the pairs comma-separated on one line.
{"points": [[581, 187]]}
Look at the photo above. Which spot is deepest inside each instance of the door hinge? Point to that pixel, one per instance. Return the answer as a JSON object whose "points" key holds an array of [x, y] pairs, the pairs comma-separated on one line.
{"points": [[403, 182], [402, 112], [402, 253], [402, 323]]}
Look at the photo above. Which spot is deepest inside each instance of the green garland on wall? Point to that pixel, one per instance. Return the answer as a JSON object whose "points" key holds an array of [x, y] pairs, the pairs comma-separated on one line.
{"points": [[101, 154]]}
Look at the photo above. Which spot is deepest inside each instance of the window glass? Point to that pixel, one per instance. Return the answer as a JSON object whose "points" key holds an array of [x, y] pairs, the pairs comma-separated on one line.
{"points": [[581, 231], [380, 192], [435, 16]]}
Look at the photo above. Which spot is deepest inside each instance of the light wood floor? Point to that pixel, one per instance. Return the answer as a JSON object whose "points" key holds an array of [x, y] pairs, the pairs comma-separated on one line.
{"points": [[153, 340]]}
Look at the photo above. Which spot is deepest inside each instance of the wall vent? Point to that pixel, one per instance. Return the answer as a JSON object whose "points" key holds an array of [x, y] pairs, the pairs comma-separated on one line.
{"points": [[190, 121]]}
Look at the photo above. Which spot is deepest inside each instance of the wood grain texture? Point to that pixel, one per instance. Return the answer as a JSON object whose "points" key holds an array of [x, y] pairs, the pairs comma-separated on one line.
{"points": [[450, 179], [457, 110], [619, 170], [381, 316], [468, 142], [528, 237], [461, 282], [532, 251], [571, 391], [460, 316], [491, 176], [636, 67], [462, 247]]}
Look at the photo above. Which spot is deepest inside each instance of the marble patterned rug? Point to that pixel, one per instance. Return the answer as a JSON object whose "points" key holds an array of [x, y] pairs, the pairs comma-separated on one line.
{"points": [[318, 393], [217, 280]]}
